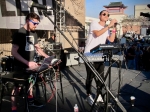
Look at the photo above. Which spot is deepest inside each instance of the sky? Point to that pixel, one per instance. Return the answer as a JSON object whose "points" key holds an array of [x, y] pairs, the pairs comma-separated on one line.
{"points": [[93, 7]]}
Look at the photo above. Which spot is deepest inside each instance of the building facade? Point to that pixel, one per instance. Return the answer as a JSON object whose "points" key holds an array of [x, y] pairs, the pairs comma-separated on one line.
{"points": [[70, 13], [116, 11], [138, 9]]}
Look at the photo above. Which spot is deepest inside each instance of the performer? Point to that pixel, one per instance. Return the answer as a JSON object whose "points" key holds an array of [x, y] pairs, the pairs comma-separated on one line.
{"points": [[52, 39], [24, 45], [98, 34]]}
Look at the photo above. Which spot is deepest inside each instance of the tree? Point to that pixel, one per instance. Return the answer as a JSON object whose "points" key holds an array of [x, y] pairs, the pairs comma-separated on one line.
{"points": [[134, 24]]}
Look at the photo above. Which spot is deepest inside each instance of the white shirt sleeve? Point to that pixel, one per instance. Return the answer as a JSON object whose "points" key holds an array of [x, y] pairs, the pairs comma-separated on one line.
{"points": [[94, 26]]}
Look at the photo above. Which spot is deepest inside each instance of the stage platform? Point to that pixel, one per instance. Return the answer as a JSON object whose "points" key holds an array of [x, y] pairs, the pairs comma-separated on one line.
{"points": [[133, 83]]}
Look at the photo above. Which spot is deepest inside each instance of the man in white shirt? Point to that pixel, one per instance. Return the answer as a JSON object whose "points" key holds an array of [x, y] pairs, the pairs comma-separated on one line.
{"points": [[98, 34]]}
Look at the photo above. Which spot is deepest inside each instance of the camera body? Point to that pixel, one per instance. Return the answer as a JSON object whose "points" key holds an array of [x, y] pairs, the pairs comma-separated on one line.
{"points": [[146, 14]]}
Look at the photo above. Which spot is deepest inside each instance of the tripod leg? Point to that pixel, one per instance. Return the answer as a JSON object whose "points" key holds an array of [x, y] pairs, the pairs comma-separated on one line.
{"points": [[94, 102], [61, 86], [49, 86], [52, 83], [43, 85], [125, 62], [1, 95]]}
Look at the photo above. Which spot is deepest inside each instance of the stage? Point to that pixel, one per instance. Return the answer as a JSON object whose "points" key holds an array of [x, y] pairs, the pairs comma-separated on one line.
{"points": [[133, 83]]}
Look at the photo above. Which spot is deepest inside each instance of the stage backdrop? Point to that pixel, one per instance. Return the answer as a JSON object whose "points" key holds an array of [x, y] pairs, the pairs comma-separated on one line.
{"points": [[13, 12]]}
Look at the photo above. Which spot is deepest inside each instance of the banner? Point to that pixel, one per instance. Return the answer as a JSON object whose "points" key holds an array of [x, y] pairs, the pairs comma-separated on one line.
{"points": [[13, 13]]}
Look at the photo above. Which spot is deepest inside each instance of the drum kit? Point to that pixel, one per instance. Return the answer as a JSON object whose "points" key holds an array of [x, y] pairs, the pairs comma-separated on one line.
{"points": [[7, 63]]}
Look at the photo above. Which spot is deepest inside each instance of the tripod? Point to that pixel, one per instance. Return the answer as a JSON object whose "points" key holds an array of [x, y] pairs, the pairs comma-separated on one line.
{"points": [[107, 103], [124, 59]]}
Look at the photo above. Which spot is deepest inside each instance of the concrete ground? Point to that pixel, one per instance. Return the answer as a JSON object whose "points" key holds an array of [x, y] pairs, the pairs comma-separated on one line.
{"points": [[132, 83]]}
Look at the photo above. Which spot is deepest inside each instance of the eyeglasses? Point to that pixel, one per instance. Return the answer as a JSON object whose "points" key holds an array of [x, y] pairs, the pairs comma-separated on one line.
{"points": [[35, 23], [105, 14]]}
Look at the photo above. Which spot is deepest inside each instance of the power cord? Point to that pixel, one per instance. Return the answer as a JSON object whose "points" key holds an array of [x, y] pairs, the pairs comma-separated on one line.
{"points": [[32, 80], [55, 88]]}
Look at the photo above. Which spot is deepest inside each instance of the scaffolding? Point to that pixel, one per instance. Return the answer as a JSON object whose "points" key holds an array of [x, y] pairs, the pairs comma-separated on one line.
{"points": [[60, 18], [72, 27]]}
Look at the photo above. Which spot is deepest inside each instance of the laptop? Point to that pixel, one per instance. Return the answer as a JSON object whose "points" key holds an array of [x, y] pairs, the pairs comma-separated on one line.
{"points": [[45, 65]]}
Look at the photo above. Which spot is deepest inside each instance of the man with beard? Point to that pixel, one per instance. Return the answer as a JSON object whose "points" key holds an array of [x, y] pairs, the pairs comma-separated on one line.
{"points": [[24, 46]]}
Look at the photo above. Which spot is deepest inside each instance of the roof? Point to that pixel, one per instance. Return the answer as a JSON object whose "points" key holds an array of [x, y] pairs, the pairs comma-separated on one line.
{"points": [[115, 4]]}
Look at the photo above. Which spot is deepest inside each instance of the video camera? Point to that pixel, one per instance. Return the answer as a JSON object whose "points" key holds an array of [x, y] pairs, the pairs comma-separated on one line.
{"points": [[146, 14]]}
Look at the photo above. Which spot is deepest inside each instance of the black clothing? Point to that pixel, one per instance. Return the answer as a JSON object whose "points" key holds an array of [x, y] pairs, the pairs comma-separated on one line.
{"points": [[99, 66], [51, 40], [26, 41], [146, 62], [20, 73], [132, 52]]}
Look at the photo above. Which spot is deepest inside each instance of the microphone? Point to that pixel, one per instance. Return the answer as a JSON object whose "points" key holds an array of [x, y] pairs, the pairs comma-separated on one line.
{"points": [[111, 20], [33, 4]]}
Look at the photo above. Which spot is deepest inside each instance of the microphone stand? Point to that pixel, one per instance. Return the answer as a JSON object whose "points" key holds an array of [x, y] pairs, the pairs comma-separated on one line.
{"points": [[124, 59], [120, 63], [89, 65]]}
